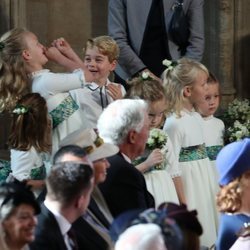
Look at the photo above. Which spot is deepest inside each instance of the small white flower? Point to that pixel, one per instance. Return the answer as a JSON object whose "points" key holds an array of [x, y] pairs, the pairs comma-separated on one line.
{"points": [[145, 75], [167, 62]]}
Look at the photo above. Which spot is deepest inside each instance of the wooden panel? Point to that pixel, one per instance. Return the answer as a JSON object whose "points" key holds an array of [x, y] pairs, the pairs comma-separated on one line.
{"points": [[5, 121]]}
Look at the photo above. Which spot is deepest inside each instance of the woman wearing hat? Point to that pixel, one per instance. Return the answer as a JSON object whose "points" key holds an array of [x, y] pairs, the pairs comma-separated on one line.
{"points": [[233, 200], [18, 208]]}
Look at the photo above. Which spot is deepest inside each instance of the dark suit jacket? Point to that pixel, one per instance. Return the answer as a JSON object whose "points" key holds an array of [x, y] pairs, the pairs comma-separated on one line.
{"points": [[87, 237], [125, 187], [48, 235]]}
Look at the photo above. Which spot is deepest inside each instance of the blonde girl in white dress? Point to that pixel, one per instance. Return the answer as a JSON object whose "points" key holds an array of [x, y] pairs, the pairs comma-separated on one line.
{"points": [[159, 165], [185, 85], [22, 65]]}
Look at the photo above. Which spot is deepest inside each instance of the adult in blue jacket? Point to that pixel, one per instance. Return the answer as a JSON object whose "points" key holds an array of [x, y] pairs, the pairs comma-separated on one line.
{"points": [[233, 163]]}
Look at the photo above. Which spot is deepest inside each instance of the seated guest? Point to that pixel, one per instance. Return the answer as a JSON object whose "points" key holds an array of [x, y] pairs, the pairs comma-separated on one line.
{"points": [[233, 200], [125, 123], [98, 215], [141, 237], [18, 208], [69, 186]]}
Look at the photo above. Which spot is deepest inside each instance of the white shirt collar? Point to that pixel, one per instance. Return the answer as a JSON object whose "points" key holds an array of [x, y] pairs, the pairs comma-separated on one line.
{"points": [[63, 223], [126, 158]]}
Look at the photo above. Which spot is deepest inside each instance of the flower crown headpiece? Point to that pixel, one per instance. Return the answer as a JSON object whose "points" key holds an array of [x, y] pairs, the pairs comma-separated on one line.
{"points": [[169, 64], [1, 46], [20, 109]]}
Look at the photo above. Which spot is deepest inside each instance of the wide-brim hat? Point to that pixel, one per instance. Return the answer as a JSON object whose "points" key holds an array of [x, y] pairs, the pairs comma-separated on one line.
{"points": [[233, 160], [91, 142]]}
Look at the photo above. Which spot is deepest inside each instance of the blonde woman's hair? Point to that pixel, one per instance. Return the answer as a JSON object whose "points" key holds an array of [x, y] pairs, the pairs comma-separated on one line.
{"points": [[106, 45], [229, 198], [32, 127], [177, 77], [14, 81]]}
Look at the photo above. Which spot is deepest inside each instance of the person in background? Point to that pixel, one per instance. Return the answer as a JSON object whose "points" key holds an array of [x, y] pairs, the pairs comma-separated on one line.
{"points": [[233, 199], [213, 127], [23, 59], [30, 149], [141, 237], [140, 29], [100, 59], [18, 210], [159, 165], [97, 215], [125, 124], [185, 83], [69, 186]]}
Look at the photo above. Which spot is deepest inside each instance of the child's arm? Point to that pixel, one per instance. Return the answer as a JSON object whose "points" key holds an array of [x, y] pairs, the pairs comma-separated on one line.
{"points": [[36, 184], [153, 159], [179, 189], [56, 56], [64, 47]]}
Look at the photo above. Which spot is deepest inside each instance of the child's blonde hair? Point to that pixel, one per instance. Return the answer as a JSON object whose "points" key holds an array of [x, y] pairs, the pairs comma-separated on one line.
{"points": [[175, 78], [149, 90], [30, 127], [106, 45], [14, 81]]}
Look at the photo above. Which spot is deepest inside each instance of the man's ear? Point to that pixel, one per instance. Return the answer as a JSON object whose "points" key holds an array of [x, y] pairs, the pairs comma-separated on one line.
{"points": [[79, 201], [187, 91], [132, 136], [26, 55]]}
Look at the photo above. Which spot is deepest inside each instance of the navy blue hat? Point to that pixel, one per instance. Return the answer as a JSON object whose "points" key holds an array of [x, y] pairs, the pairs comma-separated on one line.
{"points": [[170, 230], [17, 193], [233, 160]]}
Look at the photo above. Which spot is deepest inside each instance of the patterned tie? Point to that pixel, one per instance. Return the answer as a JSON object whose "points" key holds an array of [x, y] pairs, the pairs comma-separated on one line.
{"points": [[72, 239]]}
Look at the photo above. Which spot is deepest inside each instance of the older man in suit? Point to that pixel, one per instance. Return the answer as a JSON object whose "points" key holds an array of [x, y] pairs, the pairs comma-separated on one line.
{"points": [[141, 30], [69, 186], [125, 124]]}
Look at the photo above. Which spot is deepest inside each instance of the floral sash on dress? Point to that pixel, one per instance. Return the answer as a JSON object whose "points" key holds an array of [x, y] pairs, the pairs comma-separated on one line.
{"points": [[193, 153], [63, 111], [38, 173], [4, 170], [212, 152]]}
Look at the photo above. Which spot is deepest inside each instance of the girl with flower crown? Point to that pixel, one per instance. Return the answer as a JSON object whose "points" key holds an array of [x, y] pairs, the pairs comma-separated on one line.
{"points": [[30, 141], [22, 59], [159, 165], [185, 85]]}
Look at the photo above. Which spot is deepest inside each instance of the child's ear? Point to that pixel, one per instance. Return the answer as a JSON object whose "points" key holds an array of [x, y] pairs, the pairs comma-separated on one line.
{"points": [[187, 91], [26, 55], [113, 65]]}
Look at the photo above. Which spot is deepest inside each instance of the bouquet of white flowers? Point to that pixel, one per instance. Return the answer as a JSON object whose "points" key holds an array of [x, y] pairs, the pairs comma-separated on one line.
{"points": [[237, 120], [157, 139]]}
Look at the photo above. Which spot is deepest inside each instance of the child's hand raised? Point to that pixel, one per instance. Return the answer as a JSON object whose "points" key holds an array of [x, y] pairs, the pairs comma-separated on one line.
{"points": [[53, 54], [61, 44], [115, 91]]}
